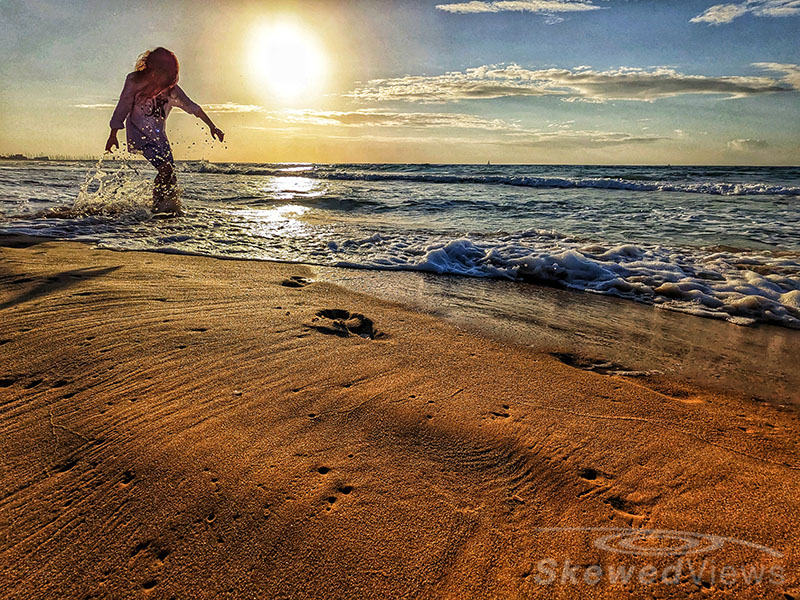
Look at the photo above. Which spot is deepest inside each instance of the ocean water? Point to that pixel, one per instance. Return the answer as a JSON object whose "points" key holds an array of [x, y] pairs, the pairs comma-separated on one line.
{"points": [[720, 242]]}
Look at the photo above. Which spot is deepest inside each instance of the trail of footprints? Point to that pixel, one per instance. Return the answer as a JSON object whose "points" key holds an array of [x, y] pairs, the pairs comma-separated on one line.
{"points": [[341, 489], [343, 323], [335, 321], [151, 555], [29, 383]]}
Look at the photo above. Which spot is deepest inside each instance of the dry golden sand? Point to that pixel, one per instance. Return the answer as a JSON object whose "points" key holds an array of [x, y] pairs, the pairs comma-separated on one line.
{"points": [[176, 426]]}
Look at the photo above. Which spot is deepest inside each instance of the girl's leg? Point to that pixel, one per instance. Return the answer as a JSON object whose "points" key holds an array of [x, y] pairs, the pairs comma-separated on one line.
{"points": [[159, 187], [165, 189]]}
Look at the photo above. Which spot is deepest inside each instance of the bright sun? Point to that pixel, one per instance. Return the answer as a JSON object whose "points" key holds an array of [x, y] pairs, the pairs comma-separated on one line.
{"points": [[287, 59]]}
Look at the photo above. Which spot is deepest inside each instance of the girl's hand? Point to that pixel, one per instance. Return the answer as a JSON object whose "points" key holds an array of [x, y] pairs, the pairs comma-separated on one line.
{"points": [[112, 143], [216, 131]]}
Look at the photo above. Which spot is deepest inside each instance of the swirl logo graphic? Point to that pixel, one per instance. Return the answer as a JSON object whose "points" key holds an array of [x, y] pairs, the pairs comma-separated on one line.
{"points": [[660, 542]]}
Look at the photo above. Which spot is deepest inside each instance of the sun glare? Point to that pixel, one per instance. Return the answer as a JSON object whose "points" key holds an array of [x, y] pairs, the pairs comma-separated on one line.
{"points": [[288, 60]]}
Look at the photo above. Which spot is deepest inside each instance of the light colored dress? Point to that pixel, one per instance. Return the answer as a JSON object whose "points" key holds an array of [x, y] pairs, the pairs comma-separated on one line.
{"points": [[144, 123]]}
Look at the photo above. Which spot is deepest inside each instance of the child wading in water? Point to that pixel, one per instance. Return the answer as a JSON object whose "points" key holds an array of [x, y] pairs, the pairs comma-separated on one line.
{"points": [[149, 94]]}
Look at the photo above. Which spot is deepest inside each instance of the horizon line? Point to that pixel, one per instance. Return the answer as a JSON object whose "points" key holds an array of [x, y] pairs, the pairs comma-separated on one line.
{"points": [[76, 158]]}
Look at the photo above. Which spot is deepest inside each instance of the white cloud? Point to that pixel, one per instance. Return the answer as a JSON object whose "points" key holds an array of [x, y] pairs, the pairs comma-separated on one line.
{"points": [[225, 107], [777, 8], [566, 138], [791, 72], [98, 106], [408, 127], [587, 85], [495, 132], [232, 107], [720, 13], [725, 13], [377, 118], [747, 145], [549, 8]]}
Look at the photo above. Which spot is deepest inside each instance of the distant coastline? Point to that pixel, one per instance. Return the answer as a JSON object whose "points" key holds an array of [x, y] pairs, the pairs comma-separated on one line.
{"points": [[22, 157], [46, 158]]}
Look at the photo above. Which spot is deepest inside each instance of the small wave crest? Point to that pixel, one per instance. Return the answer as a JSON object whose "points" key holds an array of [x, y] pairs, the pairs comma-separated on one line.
{"points": [[631, 184]]}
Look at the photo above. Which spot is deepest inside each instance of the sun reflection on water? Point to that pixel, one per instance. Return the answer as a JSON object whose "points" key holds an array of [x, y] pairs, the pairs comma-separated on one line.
{"points": [[281, 223], [287, 188]]}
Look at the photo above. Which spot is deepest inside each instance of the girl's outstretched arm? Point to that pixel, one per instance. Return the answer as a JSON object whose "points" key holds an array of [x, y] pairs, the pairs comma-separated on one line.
{"points": [[182, 100], [215, 131]]}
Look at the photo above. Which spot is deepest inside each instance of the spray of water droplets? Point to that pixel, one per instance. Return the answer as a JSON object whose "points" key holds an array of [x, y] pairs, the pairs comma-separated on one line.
{"points": [[114, 192]]}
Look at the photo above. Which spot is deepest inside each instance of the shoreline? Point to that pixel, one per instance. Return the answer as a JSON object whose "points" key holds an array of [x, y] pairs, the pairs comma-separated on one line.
{"points": [[180, 425], [753, 362]]}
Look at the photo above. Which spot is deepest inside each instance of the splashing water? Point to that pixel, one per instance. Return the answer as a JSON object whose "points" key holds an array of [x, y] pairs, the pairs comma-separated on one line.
{"points": [[113, 193]]}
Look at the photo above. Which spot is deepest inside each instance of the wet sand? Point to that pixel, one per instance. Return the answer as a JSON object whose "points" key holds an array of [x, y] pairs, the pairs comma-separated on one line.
{"points": [[758, 363], [178, 426]]}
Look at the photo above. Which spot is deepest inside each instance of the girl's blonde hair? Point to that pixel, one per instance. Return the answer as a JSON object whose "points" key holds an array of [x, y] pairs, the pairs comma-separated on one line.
{"points": [[156, 60]]}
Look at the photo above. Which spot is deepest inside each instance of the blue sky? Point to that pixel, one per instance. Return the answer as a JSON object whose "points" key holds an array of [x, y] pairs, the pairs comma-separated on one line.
{"points": [[577, 81]]}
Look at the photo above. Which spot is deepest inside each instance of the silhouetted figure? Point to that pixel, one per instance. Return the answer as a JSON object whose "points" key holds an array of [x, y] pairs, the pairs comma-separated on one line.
{"points": [[147, 97]]}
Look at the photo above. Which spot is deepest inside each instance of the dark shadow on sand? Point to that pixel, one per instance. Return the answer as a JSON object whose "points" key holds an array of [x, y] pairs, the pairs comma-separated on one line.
{"points": [[22, 241], [51, 283]]}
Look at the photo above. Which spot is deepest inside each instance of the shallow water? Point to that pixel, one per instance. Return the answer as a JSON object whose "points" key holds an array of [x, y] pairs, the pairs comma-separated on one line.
{"points": [[719, 242], [759, 364]]}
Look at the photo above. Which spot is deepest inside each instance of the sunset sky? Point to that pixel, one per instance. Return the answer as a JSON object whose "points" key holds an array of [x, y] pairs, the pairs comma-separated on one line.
{"points": [[540, 81]]}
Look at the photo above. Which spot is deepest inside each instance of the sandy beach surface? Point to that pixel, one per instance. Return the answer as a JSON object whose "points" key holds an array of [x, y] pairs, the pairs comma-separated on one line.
{"points": [[186, 427]]}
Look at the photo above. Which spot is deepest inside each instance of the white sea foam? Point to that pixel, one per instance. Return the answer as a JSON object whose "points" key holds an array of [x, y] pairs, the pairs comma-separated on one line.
{"points": [[716, 284]]}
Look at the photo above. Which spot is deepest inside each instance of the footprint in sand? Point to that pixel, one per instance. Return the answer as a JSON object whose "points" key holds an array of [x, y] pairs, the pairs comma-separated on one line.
{"points": [[598, 480], [343, 323], [149, 584], [596, 366], [501, 413], [649, 379], [149, 555], [65, 465], [126, 479], [624, 508], [295, 281], [341, 489], [632, 510], [588, 474]]}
